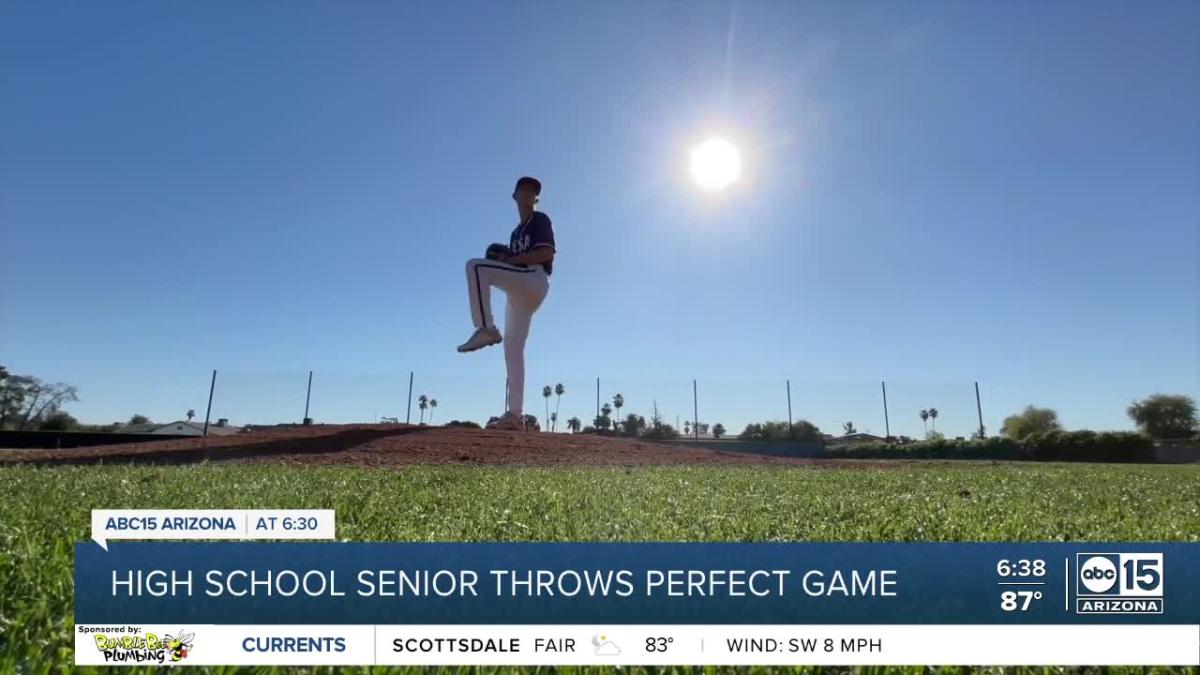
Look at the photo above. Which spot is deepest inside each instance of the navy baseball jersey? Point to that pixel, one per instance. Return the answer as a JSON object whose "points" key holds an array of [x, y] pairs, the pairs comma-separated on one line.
{"points": [[535, 231]]}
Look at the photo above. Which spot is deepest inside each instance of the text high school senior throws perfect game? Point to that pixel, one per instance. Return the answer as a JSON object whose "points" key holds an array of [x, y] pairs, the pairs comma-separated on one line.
{"points": [[522, 270]]}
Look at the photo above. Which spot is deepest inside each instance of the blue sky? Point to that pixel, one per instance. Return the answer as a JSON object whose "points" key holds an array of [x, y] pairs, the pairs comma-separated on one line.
{"points": [[932, 194]]}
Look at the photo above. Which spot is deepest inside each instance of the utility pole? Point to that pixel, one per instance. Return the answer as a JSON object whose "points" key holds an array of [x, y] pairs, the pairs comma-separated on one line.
{"points": [[695, 413], [789, 392], [408, 410], [211, 387], [979, 409], [886, 425], [307, 398]]}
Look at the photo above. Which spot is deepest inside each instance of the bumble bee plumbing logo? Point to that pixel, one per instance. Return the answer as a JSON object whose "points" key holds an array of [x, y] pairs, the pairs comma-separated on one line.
{"points": [[137, 647], [1119, 583]]}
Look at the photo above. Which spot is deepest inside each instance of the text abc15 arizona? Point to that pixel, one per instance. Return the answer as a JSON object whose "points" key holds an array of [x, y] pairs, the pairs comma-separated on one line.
{"points": [[1119, 583]]}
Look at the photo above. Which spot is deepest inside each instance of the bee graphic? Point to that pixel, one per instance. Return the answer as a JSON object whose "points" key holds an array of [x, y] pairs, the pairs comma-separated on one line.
{"points": [[179, 645]]}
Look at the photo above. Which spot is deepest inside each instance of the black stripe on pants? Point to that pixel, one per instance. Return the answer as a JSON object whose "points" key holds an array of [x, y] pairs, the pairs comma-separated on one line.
{"points": [[479, 284]]}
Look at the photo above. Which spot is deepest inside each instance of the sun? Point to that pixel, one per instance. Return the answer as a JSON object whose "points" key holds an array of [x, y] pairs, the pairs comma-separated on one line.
{"points": [[716, 164]]}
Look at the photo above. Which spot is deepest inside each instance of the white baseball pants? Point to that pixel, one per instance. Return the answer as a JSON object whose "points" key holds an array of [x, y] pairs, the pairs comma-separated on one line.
{"points": [[526, 288]]}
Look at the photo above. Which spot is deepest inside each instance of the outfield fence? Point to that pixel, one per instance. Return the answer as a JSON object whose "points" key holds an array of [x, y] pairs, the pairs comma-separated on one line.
{"points": [[879, 408]]}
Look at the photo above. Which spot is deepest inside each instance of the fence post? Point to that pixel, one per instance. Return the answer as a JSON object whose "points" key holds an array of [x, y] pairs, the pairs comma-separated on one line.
{"points": [[211, 387]]}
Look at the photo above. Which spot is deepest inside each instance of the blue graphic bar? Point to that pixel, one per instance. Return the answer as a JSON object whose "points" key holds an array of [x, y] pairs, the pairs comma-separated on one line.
{"points": [[637, 583]]}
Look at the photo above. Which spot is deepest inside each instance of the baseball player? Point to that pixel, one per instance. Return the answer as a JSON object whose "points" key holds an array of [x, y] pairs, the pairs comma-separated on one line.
{"points": [[522, 270]]}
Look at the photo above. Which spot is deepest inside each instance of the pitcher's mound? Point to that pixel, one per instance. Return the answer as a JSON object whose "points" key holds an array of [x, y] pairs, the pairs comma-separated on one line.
{"points": [[399, 445]]}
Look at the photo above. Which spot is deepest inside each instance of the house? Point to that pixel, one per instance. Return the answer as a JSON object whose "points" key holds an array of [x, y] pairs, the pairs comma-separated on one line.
{"points": [[182, 428], [852, 439]]}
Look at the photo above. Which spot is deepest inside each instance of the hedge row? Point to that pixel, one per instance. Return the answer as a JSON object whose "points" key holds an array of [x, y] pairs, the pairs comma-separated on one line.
{"points": [[1056, 446], [1090, 446]]}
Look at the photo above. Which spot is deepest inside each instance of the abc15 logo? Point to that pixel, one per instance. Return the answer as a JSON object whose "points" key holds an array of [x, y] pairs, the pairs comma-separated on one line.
{"points": [[1127, 575]]}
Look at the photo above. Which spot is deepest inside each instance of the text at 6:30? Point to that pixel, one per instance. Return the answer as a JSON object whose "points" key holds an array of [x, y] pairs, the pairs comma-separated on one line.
{"points": [[303, 523], [1021, 568]]}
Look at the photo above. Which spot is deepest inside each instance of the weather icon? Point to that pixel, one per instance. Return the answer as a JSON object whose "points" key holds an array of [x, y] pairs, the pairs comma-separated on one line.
{"points": [[604, 646]]}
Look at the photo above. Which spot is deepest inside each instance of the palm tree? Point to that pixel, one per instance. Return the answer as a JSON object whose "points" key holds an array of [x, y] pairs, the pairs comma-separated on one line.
{"points": [[546, 391], [559, 390], [933, 413], [924, 420], [618, 401], [553, 421], [574, 424], [432, 406], [423, 403], [190, 414], [848, 427], [605, 412]]}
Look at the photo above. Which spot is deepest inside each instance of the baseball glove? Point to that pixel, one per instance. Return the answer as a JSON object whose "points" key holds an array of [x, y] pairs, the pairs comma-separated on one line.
{"points": [[498, 252]]}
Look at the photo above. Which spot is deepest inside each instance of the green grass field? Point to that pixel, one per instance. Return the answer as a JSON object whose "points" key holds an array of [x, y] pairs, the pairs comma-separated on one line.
{"points": [[43, 511]]}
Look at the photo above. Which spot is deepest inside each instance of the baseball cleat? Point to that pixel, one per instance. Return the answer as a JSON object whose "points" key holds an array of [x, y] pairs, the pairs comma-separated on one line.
{"points": [[508, 422], [482, 337]]}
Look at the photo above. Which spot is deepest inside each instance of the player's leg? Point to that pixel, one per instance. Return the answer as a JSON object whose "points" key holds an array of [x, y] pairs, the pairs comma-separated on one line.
{"points": [[516, 327], [523, 300], [482, 275]]}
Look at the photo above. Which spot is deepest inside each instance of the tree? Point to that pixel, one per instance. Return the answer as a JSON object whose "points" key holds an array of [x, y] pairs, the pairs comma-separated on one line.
{"points": [[423, 404], [574, 424], [605, 412], [1029, 421], [634, 425], [687, 428], [190, 414], [925, 420], [9, 404], [531, 423], [933, 413], [802, 430], [559, 390], [718, 430], [848, 428], [59, 421], [1165, 416], [27, 401], [661, 432], [136, 419], [553, 421], [546, 392], [432, 407], [618, 401]]}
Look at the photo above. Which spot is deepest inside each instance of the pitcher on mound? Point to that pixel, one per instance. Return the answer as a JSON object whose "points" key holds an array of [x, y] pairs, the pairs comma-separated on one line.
{"points": [[522, 270]]}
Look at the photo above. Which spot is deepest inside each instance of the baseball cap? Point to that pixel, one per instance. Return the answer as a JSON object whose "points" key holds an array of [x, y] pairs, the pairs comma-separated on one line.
{"points": [[530, 181]]}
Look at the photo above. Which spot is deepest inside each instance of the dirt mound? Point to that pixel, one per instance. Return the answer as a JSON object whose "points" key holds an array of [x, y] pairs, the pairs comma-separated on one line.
{"points": [[398, 445]]}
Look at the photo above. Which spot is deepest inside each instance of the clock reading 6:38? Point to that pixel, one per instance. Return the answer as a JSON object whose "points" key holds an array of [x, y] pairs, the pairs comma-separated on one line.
{"points": [[1021, 568]]}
